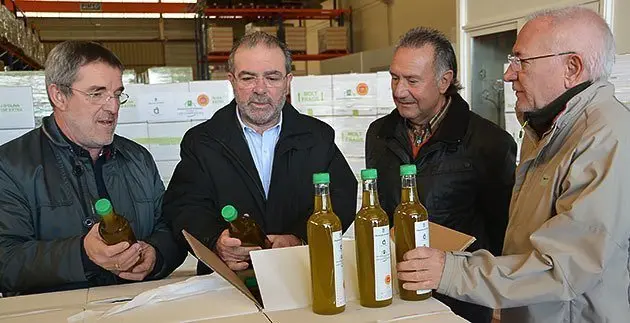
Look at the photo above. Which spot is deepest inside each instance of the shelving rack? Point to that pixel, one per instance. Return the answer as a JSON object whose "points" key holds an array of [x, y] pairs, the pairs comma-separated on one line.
{"points": [[10, 54]]}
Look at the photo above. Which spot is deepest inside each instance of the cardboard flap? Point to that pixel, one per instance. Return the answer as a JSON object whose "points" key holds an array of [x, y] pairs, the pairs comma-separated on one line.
{"points": [[446, 239], [215, 263], [284, 276]]}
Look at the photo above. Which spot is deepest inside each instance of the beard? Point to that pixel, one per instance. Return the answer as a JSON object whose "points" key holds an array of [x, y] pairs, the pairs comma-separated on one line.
{"points": [[260, 110]]}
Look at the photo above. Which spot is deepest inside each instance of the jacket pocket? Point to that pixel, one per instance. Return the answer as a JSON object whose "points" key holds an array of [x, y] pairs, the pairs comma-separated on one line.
{"points": [[453, 186]]}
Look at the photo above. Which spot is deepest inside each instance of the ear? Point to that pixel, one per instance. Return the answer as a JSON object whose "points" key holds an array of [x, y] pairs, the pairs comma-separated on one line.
{"points": [[445, 81], [574, 71], [58, 98], [232, 79], [289, 79]]}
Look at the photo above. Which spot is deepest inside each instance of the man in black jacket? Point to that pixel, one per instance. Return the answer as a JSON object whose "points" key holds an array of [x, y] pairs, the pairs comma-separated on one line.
{"points": [[51, 177], [258, 154], [465, 163]]}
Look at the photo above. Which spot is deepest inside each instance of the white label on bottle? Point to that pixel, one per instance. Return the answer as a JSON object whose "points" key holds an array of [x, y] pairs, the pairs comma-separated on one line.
{"points": [[382, 264], [422, 240], [340, 295]]}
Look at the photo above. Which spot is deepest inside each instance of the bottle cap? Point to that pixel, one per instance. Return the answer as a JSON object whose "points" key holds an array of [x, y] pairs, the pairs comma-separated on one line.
{"points": [[103, 207], [321, 178], [229, 213], [409, 169], [369, 173]]}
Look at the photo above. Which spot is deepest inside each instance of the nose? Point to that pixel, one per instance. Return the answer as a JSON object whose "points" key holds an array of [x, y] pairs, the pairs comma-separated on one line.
{"points": [[510, 75], [399, 88], [112, 105], [260, 87]]}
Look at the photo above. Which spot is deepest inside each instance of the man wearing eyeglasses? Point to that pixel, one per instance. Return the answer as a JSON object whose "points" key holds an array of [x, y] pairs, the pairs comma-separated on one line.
{"points": [[51, 177], [566, 252], [257, 154]]}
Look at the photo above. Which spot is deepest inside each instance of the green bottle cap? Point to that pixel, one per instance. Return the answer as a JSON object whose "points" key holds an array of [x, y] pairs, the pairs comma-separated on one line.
{"points": [[251, 282], [409, 169], [103, 207], [369, 173], [229, 213], [321, 178]]}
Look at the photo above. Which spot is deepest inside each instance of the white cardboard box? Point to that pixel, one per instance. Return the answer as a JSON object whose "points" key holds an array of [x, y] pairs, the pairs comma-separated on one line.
{"points": [[165, 138], [350, 134], [355, 94], [384, 90], [10, 134], [129, 112], [209, 96], [138, 132], [312, 95], [16, 107], [165, 102], [166, 169]]}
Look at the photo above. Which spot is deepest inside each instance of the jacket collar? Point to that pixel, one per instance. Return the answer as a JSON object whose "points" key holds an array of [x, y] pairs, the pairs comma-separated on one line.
{"points": [[53, 133], [452, 129]]}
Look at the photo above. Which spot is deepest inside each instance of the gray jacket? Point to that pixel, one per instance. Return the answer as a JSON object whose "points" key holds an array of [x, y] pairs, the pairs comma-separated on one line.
{"points": [[566, 251], [47, 195]]}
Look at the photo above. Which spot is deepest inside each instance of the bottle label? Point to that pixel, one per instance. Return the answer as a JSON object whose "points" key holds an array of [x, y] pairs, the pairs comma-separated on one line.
{"points": [[382, 264], [422, 240], [340, 295]]}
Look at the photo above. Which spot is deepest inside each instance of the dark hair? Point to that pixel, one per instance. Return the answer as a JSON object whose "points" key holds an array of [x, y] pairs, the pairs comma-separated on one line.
{"points": [[444, 56], [65, 60], [256, 38]]}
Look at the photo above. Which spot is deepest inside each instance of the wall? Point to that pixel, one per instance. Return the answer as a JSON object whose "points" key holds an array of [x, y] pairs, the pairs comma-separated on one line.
{"points": [[621, 26]]}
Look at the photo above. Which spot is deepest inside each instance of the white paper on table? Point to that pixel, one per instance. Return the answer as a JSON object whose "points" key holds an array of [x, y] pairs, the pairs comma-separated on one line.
{"points": [[190, 287]]}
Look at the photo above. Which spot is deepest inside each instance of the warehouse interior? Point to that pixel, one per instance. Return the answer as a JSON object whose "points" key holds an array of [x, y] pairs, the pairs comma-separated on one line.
{"points": [[175, 55]]}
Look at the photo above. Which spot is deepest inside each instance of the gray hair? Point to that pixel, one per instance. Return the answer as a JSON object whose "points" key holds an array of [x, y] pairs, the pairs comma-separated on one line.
{"points": [[444, 58], [65, 60], [256, 38], [598, 53]]}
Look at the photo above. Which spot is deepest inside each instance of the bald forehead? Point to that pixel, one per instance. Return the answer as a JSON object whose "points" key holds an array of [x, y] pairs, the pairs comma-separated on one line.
{"points": [[537, 35]]}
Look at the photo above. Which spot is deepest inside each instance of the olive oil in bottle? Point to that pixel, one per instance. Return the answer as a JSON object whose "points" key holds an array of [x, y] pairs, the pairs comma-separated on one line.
{"points": [[411, 223], [245, 228], [113, 227], [325, 251], [371, 227]]}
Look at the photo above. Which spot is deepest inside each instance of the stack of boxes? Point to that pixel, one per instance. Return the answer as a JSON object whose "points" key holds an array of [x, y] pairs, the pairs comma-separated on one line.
{"points": [[333, 39], [13, 31], [220, 39], [271, 30], [295, 38], [37, 82]]}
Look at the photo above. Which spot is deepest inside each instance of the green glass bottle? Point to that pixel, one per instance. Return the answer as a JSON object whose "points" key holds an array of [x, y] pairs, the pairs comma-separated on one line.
{"points": [[245, 229]]}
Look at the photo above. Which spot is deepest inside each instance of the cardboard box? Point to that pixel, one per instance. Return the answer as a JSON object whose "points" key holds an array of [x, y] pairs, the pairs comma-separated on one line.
{"points": [[166, 169], [138, 132], [165, 102], [384, 99], [350, 135], [209, 96], [283, 277], [354, 94], [220, 39], [10, 134], [332, 39], [165, 138], [130, 112], [16, 107], [312, 95]]}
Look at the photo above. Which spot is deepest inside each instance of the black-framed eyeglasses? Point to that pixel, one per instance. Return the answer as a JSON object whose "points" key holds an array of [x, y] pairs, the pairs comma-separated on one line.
{"points": [[101, 98], [515, 62]]}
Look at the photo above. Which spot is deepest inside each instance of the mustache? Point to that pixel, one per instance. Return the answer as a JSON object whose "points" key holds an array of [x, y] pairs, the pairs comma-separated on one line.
{"points": [[260, 99]]}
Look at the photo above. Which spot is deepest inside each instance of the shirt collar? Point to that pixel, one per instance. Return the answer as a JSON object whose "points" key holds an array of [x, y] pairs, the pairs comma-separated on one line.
{"points": [[428, 129], [245, 127]]}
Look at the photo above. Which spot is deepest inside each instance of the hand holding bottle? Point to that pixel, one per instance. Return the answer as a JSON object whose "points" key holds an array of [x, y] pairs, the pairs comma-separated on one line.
{"points": [[421, 268], [144, 267], [115, 258], [232, 252]]}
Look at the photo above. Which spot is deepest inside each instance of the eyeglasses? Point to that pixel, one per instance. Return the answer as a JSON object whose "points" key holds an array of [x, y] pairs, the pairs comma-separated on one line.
{"points": [[101, 98], [515, 62], [270, 81]]}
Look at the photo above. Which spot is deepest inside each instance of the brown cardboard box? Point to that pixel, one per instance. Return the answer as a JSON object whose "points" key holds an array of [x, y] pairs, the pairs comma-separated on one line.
{"points": [[332, 39], [220, 39]]}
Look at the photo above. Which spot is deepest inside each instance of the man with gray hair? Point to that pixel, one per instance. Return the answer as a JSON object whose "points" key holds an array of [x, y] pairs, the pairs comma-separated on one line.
{"points": [[51, 177], [566, 253], [465, 163], [257, 154]]}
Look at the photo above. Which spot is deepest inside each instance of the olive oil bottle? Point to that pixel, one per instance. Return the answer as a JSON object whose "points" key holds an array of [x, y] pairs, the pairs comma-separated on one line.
{"points": [[113, 227], [411, 223], [245, 228], [371, 227], [325, 251]]}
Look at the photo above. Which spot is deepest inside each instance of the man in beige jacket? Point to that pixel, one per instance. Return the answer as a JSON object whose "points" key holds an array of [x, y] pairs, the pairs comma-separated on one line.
{"points": [[566, 251]]}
